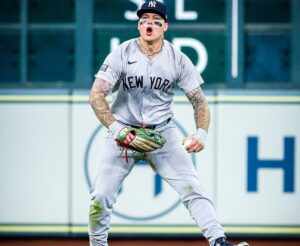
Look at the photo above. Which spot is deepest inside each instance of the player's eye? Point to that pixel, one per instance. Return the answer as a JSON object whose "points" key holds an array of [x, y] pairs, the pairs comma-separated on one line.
{"points": [[158, 23]]}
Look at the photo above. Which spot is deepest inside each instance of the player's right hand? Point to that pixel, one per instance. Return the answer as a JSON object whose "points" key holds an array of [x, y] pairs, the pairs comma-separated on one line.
{"points": [[193, 144], [129, 138]]}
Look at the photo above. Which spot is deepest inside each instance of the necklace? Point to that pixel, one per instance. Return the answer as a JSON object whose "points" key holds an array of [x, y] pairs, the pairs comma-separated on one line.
{"points": [[149, 53]]}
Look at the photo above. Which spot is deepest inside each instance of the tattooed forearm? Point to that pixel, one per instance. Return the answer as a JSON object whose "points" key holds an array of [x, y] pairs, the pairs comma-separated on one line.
{"points": [[201, 109], [98, 102]]}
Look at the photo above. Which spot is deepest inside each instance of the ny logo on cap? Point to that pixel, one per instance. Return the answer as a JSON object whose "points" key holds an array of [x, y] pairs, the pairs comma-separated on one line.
{"points": [[152, 4]]}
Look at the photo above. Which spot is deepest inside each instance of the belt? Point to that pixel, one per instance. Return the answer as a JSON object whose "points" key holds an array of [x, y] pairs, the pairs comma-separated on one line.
{"points": [[153, 127]]}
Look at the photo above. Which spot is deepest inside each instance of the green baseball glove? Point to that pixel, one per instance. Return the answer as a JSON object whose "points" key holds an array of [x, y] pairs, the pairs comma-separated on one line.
{"points": [[145, 140]]}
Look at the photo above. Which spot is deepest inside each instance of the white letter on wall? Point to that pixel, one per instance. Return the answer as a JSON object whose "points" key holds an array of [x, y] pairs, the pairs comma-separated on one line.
{"points": [[114, 43], [197, 46], [180, 14]]}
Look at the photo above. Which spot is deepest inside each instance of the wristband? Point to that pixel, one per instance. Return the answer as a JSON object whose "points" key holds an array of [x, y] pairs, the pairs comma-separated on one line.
{"points": [[202, 135], [115, 128]]}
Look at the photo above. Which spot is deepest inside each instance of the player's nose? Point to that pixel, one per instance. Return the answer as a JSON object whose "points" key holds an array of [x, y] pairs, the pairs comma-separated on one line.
{"points": [[149, 22]]}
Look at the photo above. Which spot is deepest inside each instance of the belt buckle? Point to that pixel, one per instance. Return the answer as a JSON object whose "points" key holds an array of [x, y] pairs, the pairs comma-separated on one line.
{"points": [[152, 127], [161, 124]]}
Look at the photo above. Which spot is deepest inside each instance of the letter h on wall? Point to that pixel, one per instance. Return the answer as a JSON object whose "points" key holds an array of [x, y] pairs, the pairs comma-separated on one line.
{"points": [[287, 164]]}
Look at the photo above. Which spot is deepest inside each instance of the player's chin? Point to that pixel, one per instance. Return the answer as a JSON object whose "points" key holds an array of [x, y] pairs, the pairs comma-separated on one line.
{"points": [[149, 38], [152, 36]]}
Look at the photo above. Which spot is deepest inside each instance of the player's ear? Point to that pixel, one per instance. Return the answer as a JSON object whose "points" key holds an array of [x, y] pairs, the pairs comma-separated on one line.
{"points": [[138, 24], [166, 26]]}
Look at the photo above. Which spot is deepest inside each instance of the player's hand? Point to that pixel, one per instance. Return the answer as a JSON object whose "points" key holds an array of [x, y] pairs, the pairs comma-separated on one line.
{"points": [[116, 128], [193, 144], [129, 138]]}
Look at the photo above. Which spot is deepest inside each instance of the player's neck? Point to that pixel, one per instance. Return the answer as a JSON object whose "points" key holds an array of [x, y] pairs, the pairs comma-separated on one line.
{"points": [[151, 49]]}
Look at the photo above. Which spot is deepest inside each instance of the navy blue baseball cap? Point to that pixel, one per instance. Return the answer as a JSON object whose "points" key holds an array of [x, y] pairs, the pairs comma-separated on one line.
{"points": [[155, 7]]}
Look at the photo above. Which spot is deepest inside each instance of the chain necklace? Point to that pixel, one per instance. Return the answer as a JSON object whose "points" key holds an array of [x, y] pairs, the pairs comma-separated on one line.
{"points": [[149, 53]]}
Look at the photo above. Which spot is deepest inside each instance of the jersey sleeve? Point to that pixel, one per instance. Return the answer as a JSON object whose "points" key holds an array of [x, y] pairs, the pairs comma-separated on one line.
{"points": [[111, 69], [189, 77]]}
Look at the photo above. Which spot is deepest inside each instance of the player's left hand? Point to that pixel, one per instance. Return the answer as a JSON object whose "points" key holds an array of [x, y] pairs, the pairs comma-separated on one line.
{"points": [[192, 144]]}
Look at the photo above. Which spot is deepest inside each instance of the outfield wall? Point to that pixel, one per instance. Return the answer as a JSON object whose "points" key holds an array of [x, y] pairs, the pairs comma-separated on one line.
{"points": [[250, 167]]}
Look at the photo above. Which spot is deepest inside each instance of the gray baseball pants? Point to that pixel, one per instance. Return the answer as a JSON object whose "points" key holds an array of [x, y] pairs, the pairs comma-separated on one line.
{"points": [[172, 163]]}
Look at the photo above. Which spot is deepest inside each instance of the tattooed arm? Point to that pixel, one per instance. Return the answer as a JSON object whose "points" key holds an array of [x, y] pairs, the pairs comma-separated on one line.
{"points": [[202, 118], [103, 112], [201, 110], [98, 102]]}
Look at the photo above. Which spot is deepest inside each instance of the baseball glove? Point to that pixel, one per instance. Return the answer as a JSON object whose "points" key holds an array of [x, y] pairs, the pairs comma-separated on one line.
{"points": [[145, 140]]}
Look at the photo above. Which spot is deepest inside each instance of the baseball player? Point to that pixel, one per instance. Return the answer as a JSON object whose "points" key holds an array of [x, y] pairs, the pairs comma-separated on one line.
{"points": [[141, 75]]}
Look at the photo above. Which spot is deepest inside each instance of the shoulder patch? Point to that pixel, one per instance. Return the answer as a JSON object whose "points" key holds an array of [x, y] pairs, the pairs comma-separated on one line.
{"points": [[103, 67]]}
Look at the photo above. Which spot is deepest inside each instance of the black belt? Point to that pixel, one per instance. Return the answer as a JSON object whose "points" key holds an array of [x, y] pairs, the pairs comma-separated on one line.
{"points": [[153, 127]]}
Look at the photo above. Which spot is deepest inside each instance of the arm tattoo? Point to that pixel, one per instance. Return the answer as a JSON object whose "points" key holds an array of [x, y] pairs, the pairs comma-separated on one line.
{"points": [[98, 102], [201, 109]]}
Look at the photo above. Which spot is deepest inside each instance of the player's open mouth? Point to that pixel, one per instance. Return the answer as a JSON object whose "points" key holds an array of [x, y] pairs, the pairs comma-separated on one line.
{"points": [[149, 31]]}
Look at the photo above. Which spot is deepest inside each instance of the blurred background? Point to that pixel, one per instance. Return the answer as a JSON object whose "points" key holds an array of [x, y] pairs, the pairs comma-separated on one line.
{"points": [[247, 51], [61, 44], [52, 44]]}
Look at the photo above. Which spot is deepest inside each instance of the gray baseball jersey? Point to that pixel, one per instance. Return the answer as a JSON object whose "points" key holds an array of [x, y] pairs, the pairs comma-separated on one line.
{"points": [[146, 85]]}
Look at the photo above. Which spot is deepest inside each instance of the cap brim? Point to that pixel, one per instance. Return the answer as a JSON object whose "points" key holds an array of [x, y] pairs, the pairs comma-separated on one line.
{"points": [[143, 11]]}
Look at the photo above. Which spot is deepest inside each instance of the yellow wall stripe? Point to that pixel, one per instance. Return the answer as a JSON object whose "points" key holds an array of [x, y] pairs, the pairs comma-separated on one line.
{"points": [[261, 99], [148, 229], [156, 229], [177, 99], [263, 230], [35, 98], [33, 228]]}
